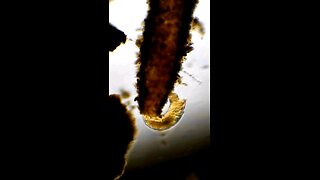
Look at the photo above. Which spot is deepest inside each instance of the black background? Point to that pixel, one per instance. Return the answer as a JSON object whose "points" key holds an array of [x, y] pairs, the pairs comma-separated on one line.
{"points": [[55, 80]]}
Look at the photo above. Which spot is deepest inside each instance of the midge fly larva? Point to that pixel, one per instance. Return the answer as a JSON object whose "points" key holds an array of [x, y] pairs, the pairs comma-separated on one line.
{"points": [[165, 42]]}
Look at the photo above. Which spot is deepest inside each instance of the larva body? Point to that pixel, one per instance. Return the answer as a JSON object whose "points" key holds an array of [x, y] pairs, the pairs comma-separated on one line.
{"points": [[166, 40]]}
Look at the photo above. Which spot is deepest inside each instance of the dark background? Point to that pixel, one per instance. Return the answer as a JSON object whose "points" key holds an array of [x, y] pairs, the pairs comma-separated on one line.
{"points": [[260, 53], [54, 84]]}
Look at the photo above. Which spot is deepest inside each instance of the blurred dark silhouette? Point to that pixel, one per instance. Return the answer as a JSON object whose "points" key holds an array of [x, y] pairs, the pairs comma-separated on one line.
{"points": [[115, 37], [121, 122], [123, 125]]}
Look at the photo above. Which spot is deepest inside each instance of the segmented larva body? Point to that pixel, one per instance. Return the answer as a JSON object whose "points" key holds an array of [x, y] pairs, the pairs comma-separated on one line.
{"points": [[166, 40]]}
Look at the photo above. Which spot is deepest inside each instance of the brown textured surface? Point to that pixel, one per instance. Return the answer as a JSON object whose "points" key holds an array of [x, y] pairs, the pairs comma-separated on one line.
{"points": [[166, 40]]}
